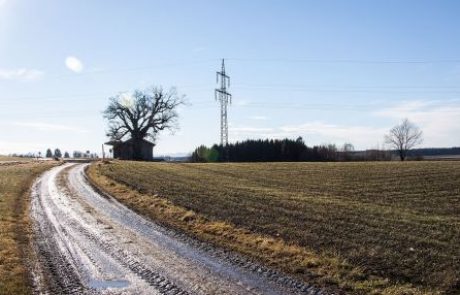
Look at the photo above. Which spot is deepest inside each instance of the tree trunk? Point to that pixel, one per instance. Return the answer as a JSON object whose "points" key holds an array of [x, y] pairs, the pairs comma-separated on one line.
{"points": [[137, 149], [402, 155]]}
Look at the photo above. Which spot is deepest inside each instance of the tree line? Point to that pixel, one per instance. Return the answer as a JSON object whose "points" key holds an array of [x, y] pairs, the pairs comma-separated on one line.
{"points": [[402, 138], [76, 154], [268, 150], [57, 154]]}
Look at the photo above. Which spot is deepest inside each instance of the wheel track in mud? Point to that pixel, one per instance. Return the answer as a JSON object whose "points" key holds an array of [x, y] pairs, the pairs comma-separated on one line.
{"points": [[59, 275], [231, 257], [62, 265], [62, 276]]}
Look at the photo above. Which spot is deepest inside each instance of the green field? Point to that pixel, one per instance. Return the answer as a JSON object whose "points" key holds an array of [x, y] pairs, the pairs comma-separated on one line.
{"points": [[15, 181], [395, 226]]}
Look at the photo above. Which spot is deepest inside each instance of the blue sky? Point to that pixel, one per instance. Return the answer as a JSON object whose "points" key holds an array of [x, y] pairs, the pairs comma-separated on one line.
{"points": [[329, 71]]}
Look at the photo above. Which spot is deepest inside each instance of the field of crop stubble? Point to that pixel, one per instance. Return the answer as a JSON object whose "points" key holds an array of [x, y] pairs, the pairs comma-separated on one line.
{"points": [[15, 180], [383, 227]]}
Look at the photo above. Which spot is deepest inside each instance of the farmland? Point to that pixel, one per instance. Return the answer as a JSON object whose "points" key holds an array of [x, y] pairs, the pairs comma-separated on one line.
{"points": [[11, 159], [384, 227], [15, 180]]}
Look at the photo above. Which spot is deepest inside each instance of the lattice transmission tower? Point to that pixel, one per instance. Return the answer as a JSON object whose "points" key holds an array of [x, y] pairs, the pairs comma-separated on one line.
{"points": [[225, 98]]}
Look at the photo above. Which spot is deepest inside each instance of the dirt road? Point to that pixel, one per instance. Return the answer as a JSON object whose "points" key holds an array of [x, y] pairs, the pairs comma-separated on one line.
{"points": [[88, 243]]}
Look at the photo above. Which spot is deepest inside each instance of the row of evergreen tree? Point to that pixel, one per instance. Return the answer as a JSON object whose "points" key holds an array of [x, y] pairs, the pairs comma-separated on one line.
{"points": [[76, 154], [268, 150], [56, 154]]}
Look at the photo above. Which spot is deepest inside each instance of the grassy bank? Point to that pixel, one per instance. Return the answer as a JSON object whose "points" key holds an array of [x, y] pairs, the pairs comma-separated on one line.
{"points": [[15, 181], [389, 228]]}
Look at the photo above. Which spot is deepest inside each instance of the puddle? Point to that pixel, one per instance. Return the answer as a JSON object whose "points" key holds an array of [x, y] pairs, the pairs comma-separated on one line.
{"points": [[97, 284]]}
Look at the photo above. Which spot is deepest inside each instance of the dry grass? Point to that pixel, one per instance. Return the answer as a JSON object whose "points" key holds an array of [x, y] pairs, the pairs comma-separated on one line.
{"points": [[391, 228], [11, 159], [15, 181]]}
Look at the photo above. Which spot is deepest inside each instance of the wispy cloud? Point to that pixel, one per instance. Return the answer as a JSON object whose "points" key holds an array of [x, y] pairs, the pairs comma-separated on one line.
{"points": [[335, 132], [316, 133], [439, 120], [258, 118], [40, 126], [74, 64], [251, 130], [20, 74], [240, 102]]}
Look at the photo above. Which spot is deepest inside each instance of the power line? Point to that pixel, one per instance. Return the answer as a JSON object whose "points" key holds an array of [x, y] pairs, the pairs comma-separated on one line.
{"points": [[285, 85], [263, 60], [365, 91], [341, 107], [104, 95], [347, 61], [246, 86], [329, 106], [133, 69]]}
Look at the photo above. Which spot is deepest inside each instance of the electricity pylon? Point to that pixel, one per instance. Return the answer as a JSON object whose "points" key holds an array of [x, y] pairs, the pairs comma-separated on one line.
{"points": [[224, 98]]}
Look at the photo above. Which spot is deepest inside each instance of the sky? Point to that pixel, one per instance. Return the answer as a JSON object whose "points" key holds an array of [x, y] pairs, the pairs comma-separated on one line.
{"points": [[328, 71]]}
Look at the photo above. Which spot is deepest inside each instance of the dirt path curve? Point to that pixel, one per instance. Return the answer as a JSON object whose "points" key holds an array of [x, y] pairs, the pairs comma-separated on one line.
{"points": [[88, 243]]}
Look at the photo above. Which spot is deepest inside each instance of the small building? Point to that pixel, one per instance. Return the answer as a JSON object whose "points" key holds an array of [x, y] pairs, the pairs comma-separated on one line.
{"points": [[124, 150]]}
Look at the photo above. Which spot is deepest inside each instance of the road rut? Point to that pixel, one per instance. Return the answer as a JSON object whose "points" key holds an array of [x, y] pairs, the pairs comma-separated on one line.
{"points": [[88, 243]]}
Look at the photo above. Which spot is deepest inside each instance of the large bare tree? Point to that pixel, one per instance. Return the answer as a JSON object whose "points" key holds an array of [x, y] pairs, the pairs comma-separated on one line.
{"points": [[404, 137], [142, 115]]}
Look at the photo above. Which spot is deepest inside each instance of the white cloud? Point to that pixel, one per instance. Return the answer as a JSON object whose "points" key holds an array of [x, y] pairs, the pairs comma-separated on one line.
{"points": [[316, 133], [40, 126], [251, 130], [439, 121], [241, 102], [20, 74], [336, 132], [74, 64], [258, 118]]}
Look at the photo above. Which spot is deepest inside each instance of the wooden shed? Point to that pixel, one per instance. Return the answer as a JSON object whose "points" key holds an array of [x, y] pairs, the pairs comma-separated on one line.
{"points": [[124, 150]]}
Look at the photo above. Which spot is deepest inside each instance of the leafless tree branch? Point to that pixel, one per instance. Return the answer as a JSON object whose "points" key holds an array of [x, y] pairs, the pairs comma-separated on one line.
{"points": [[404, 137], [144, 115]]}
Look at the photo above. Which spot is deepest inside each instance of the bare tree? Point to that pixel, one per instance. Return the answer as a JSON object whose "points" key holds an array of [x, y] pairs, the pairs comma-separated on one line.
{"points": [[346, 153], [404, 137], [142, 115]]}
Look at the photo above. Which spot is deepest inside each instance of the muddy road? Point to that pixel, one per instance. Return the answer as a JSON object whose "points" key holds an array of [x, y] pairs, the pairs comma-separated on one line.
{"points": [[88, 243]]}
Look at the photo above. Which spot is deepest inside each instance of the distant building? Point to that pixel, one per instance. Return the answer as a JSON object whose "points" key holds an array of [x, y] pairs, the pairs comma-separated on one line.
{"points": [[124, 150]]}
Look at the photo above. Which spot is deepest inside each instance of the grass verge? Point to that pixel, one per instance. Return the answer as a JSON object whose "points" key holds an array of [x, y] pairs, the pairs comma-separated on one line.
{"points": [[363, 228], [15, 181]]}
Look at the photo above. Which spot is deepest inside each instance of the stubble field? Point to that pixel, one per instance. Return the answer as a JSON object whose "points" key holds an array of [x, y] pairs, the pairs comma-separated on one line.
{"points": [[388, 227]]}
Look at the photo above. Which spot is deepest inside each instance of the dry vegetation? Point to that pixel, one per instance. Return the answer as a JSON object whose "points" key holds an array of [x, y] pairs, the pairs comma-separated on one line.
{"points": [[15, 180], [391, 228], [12, 159]]}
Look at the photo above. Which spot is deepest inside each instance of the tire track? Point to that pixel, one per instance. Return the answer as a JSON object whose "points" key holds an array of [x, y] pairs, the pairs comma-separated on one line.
{"points": [[88, 243]]}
